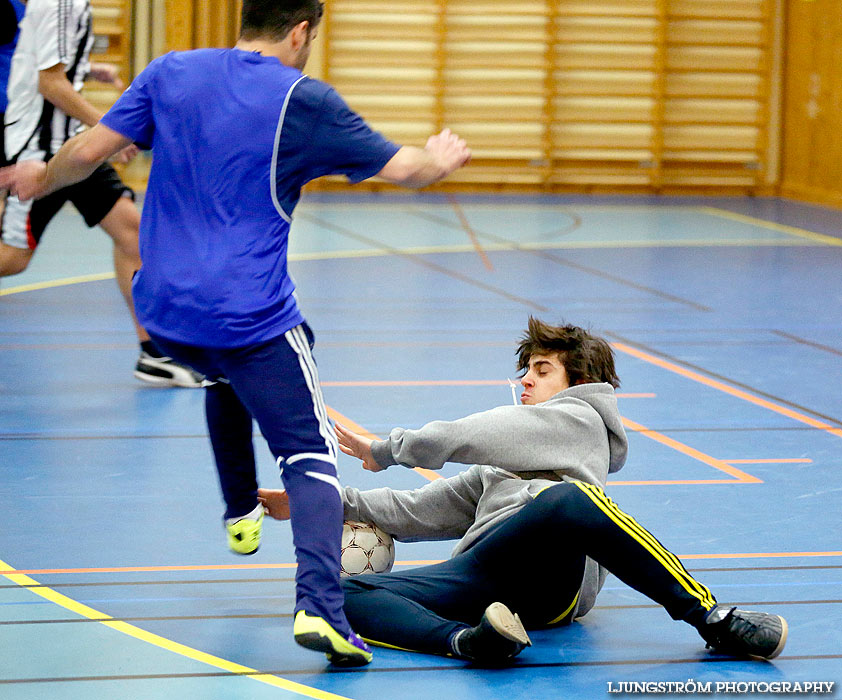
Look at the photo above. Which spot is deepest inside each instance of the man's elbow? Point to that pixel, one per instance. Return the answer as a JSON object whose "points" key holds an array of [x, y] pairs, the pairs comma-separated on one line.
{"points": [[411, 167], [87, 155]]}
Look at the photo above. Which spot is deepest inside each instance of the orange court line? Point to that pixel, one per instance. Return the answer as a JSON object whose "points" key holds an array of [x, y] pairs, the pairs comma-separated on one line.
{"points": [[455, 382], [466, 225], [669, 482], [422, 382], [692, 452], [721, 386], [740, 476], [791, 460], [420, 562], [357, 428]]}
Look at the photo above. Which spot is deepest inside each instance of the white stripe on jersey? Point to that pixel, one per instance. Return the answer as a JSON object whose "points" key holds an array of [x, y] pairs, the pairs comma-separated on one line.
{"points": [[273, 171]]}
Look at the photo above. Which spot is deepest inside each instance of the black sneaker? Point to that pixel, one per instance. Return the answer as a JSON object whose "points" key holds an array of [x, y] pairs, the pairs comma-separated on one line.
{"points": [[744, 633], [164, 371], [498, 638]]}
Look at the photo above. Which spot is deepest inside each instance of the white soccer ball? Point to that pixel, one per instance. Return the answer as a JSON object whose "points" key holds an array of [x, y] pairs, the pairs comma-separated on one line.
{"points": [[366, 549]]}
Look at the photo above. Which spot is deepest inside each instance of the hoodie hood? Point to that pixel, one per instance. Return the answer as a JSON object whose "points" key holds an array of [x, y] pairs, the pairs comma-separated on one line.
{"points": [[602, 398]]}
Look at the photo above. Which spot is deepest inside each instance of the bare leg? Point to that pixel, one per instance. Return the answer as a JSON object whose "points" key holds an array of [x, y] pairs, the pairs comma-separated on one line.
{"points": [[122, 224], [13, 260]]}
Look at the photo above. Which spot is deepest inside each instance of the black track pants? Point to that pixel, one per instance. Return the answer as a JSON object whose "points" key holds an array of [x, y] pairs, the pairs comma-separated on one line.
{"points": [[534, 563]]}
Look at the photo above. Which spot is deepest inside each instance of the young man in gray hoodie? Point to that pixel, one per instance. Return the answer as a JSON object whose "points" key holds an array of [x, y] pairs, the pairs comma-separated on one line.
{"points": [[537, 532]]}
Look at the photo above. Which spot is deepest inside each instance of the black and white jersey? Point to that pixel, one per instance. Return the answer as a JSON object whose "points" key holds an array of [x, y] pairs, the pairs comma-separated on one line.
{"points": [[52, 32]]}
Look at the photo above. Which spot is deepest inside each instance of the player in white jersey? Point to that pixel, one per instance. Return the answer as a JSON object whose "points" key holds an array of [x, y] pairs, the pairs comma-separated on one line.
{"points": [[49, 67]]}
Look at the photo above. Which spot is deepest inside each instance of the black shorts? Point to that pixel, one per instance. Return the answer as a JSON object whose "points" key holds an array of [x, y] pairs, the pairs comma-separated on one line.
{"points": [[3, 161], [24, 222]]}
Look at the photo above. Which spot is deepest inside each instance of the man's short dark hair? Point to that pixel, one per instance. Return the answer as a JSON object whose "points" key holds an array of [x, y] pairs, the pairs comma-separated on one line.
{"points": [[586, 357], [273, 19]]}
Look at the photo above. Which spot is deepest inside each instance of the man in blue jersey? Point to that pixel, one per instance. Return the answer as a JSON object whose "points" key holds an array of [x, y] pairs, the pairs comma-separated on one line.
{"points": [[236, 133]]}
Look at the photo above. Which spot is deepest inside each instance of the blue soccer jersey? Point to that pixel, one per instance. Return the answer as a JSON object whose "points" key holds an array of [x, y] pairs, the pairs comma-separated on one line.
{"points": [[235, 135]]}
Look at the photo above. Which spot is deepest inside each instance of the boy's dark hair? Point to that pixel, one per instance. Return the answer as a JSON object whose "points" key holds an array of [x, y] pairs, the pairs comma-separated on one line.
{"points": [[274, 19], [587, 358]]}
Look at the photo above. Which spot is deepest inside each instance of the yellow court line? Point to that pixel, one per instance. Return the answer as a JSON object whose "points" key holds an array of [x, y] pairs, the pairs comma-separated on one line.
{"points": [[357, 428], [162, 642], [57, 283], [721, 386], [741, 476], [783, 228]]}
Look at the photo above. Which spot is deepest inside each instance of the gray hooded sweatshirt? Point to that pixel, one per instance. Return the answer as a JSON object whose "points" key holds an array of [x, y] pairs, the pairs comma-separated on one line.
{"points": [[516, 452]]}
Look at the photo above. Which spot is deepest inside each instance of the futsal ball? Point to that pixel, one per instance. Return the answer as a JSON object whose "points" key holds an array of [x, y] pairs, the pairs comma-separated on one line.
{"points": [[366, 549]]}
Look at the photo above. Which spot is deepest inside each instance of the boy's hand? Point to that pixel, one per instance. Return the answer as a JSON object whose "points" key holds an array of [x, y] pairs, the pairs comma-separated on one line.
{"points": [[357, 446], [126, 155], [275, 502]]}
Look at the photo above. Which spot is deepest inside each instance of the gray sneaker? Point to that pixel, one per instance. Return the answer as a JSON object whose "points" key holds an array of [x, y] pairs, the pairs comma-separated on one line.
{"points": [[164, 371], [497, 639], [744, 633]]}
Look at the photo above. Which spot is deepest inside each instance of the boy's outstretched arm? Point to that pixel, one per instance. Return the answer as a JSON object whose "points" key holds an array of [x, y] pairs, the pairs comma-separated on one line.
{"points": [[357, 446], [275, 502]]}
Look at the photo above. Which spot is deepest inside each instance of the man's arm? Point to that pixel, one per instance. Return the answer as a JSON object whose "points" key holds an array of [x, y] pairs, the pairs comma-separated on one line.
{"points": [[58, 90], [75, 161], [419, 167]]}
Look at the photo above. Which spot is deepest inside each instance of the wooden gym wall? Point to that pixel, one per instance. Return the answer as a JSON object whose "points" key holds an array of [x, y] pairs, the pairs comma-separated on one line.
{"points": [[557, 95], [629, 95], [201, 23], [812, 134]]}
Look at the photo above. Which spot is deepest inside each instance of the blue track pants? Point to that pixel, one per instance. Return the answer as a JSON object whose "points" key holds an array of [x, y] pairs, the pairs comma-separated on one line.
{"points": [[276, 384]]}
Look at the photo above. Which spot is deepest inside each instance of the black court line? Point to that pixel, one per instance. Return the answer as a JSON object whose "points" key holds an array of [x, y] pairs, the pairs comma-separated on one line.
{"points": [[412, 669], [768, 568], [661, 429], [804, 341], [745, 603], [738, 429], [289, 616], [722, 377], [568, 263], [423, 262]]}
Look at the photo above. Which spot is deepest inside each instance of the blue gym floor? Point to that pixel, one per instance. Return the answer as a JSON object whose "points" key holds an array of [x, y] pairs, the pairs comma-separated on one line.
{"points": [[726, 317]]}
